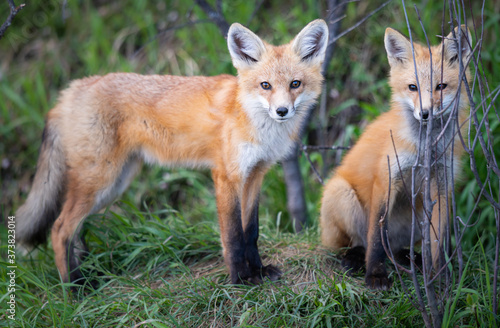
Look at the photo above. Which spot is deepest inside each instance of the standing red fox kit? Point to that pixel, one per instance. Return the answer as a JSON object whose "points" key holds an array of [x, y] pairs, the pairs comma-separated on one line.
{"points": [[355, 198], [103, 127]]}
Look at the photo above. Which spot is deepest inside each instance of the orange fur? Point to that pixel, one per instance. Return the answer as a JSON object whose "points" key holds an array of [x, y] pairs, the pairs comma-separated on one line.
{"points": [[103, 127], [355, 198]]}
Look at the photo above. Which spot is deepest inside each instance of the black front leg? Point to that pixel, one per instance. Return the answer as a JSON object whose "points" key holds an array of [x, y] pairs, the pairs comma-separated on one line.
{"points": [[235, 248], [231, 227], [258, 271], [376, 273]]}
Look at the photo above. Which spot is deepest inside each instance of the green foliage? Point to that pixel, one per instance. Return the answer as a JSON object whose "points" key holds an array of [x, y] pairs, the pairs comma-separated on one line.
{"points": [[157, 269], [158, 252]]}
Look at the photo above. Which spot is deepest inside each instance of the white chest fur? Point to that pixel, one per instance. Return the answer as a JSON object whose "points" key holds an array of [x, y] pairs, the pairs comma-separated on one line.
{"points": [[273, 143]]}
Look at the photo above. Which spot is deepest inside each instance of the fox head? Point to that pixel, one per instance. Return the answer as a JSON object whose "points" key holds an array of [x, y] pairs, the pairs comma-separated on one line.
{"points": [[442, 70], [278, 81]]}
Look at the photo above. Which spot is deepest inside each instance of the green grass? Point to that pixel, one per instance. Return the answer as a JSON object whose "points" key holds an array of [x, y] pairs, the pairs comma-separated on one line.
{"points": [[158, 270], [157, 252]]}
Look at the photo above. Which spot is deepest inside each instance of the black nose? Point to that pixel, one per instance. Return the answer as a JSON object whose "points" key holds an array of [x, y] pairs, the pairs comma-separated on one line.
{"points": [[425, 114], [282, 111]]}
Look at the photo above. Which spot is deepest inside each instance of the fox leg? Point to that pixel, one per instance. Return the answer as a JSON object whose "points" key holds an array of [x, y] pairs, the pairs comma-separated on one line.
{"points": [[343, 223], [250, 216], [86, 194], [439, 224], [232, 236], [376, 272], [69, 249]]}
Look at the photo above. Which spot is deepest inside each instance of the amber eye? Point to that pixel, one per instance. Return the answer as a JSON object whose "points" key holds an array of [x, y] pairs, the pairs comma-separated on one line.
{"points": [[413, 87], [265, 85], [441, 86], [295, 84]]}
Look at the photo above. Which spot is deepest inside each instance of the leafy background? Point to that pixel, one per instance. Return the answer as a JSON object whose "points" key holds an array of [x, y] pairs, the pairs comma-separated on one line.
{"points": [[158, 247]]}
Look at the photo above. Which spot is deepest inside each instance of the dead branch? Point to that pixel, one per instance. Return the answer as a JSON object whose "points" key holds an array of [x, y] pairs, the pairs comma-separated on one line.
{"points": [[215, 16], [13, 12], [333, 40]]}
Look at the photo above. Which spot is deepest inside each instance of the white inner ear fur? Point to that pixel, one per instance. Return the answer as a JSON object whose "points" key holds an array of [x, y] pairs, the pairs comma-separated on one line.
{"points": [[451, 47], [397, 46], [245, 47], [312, 41]]}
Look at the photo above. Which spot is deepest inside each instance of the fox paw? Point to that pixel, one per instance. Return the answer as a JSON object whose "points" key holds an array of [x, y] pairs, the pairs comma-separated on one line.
{"points": [[403, 257], [378, 281], [269, 272], [354, 260], [81, 282]]}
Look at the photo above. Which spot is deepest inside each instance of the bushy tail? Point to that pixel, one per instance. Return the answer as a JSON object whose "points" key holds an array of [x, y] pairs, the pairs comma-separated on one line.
{"points": [[36, 216]]}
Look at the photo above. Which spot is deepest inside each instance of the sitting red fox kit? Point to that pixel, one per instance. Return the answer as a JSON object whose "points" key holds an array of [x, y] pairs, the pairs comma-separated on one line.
{"points": [[103, 127], [355, 198]]}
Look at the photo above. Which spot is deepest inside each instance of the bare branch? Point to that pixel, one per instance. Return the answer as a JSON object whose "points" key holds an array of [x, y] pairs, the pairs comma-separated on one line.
{"points": [[215, 15], [13, 12], [333, 40], [304, 150]]}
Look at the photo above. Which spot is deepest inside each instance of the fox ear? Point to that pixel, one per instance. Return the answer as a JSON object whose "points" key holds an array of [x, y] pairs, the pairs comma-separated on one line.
{"points": [[397, 46], [245, 47], [451, 44], [311, 43]]}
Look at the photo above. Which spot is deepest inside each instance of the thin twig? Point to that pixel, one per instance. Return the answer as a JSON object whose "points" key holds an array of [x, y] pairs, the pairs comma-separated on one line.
{"points": [[215, 16], [333, 40], [320, 179], [13, 12], [306, 147]]}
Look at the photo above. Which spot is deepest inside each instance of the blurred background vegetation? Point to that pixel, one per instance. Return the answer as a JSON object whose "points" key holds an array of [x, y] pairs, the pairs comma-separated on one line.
{"points": [[53, 42]]}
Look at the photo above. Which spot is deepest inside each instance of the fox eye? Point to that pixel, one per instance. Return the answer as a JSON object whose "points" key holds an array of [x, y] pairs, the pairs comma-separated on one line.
{"points": [[295, 84], [265, 85], [412, 87], [441, 86]]}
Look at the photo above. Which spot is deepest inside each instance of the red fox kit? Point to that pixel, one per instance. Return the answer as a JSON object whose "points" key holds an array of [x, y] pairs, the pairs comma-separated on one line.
{"points": [[355, 198], [104, 127]]}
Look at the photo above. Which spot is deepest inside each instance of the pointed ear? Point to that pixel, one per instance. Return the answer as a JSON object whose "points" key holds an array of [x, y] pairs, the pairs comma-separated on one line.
{"points": [[398, 47], [245, 47], [451, 50], [311, 43]]}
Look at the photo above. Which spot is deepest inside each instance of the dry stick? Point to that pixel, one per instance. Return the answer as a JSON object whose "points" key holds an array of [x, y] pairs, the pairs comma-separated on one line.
{"points": [[416, 283], [387, 248], [458, 241], [307, 147], [491, 164], [358, 23], [304, 149], [428, 205], [13, 12], [421, 303], [428, 167], [447, 190], [313, 167], [495, 295], [215, 16], [480, 40], [486, 150], [408, 194]]}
